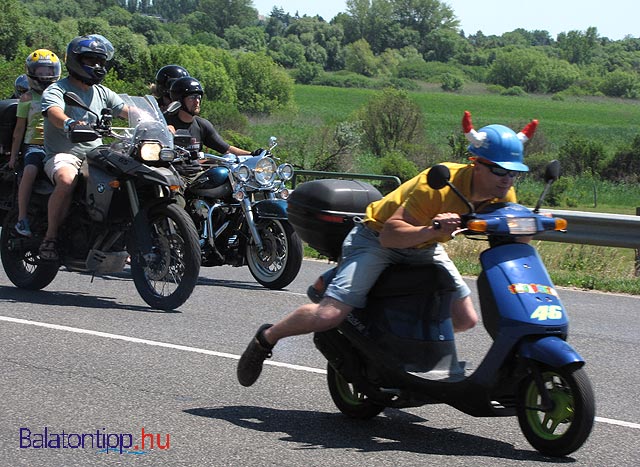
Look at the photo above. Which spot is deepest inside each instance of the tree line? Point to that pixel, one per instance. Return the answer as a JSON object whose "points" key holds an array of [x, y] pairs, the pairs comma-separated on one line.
{"points": [[248, 63], [396, 41]]}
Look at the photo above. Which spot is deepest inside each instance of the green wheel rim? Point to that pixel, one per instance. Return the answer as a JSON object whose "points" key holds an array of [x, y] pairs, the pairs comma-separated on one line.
{"points": [[347, 392], [552, 424]]}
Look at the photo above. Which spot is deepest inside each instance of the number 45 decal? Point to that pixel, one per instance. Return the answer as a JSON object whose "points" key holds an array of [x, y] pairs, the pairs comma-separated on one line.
{"points": [[544, 312]]}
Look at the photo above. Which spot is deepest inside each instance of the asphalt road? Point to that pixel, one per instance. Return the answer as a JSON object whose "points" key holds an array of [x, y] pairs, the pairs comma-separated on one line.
{"points": [[90, 359]]}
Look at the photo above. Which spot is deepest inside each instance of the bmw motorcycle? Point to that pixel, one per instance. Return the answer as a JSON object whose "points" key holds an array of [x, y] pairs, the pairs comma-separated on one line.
{"points": [[238, 204], [123, 210]]}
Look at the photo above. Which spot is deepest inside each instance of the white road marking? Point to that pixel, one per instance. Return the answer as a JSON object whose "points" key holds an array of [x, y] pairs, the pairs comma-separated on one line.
{"points": [[186, 348]]}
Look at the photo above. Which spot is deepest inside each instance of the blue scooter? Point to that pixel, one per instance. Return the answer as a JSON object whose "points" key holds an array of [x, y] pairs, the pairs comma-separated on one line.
{"points": [[400, 351]]}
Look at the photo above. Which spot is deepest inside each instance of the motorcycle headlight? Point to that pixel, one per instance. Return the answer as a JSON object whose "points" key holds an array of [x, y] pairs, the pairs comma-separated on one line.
{"points": [[167, 154], [265, 171], [285, 172], [150, 152], [243, 173]]}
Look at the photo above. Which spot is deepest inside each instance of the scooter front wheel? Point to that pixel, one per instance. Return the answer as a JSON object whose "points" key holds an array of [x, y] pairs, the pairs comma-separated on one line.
{"points": [[348, 399], [563, 427]]}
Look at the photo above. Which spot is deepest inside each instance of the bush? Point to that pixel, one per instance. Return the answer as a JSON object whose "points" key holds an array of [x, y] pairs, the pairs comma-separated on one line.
{"points": [[514, 91], [391, 120], [451, 82]]}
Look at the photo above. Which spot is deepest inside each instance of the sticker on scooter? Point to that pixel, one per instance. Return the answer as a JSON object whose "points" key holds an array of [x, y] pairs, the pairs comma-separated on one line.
{"points": [[545, 312], [532, 288]]}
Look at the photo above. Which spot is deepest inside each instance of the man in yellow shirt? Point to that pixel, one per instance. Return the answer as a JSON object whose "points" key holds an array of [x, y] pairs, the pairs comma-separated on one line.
{"points": [[406, 226]]}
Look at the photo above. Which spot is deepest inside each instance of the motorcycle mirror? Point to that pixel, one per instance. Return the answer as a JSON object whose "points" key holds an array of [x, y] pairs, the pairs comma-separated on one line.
{"points": [[272, 141], [438, 176], [173, 107], [72, 99]]}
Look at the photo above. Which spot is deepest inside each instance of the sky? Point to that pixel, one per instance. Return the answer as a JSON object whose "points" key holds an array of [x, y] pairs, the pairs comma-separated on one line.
{"points": [[614, 19]]}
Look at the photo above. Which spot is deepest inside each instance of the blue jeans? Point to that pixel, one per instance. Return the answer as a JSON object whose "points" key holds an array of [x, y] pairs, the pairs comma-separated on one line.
{"points": [[364, 259], [34, 155]]}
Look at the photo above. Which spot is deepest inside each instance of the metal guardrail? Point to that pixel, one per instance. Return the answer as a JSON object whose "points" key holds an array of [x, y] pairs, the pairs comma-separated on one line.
{"points": [[590, 228]]}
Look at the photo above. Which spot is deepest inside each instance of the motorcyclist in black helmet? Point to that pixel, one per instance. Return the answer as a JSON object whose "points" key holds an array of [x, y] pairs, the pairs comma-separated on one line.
{"points": [[163, 81], [188, 91], [86, 59]]}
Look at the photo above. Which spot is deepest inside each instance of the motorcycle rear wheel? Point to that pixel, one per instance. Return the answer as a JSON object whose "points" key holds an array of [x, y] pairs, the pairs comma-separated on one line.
{"points": [[348, 399], [280, 261], [168, 281], [563, 429], [22, 264]]}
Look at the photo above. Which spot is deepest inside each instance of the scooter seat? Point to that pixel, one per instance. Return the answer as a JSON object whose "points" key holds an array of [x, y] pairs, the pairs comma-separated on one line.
{"points": [[411, 279]]}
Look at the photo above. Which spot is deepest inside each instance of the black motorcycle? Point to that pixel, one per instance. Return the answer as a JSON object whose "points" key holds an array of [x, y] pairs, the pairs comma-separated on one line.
{"points": [[123, 210], [238, 204]]}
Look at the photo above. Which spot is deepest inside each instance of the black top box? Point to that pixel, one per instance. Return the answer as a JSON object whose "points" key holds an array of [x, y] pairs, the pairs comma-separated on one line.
{"points": [[8, 109], [322, 211]]}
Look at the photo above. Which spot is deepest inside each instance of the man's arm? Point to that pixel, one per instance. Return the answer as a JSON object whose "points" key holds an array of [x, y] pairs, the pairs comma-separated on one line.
{"points": [[402, 230]]}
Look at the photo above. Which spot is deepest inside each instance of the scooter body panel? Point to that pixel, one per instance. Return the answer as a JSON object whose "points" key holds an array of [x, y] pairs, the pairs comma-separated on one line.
{"points": [[521, 291], [551, 351]]}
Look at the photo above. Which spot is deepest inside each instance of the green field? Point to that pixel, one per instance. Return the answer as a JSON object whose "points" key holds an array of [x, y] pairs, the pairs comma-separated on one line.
{"points": [[611, 121]]}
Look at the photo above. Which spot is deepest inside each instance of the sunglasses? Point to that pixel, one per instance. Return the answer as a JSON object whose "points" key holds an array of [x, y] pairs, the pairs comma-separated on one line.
{"points": [[499, 171]]}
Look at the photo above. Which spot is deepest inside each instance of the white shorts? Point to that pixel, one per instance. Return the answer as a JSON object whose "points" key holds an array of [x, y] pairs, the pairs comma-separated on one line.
{"points": [[58, 161]]}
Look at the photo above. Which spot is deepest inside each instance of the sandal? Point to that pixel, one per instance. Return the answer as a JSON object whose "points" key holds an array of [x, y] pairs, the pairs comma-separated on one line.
{"points": [[48, 250]]}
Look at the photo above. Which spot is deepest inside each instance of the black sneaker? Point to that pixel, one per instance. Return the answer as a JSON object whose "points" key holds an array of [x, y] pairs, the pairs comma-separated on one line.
{"points": [[250, 364]]}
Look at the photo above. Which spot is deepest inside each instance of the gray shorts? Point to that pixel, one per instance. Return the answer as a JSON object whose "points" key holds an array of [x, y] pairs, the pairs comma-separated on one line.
{"points": [[60, 160], [363, 260]]}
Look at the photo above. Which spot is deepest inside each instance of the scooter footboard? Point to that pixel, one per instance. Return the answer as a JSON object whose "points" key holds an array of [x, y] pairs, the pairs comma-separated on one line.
{"points": [[550, 350]]}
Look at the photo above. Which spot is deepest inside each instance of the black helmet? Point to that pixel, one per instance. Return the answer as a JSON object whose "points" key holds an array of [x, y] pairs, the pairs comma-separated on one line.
{"points": [[166, 76], [93, 45], [183, 87], [21, 85]]}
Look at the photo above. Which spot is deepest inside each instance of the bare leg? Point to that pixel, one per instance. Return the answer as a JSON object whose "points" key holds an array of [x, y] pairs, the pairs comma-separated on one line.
{"points": [[309, 318], [24, 190], [60, 199], [463, 314]]}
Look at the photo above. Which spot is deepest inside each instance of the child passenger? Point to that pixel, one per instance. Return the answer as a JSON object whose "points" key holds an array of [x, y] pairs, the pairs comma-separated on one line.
{"points": [[43, 68]]}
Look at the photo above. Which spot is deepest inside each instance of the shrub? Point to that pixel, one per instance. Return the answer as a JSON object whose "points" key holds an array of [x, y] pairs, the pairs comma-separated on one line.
{"points": [[391, 120], [451, 82], [514, 91]]}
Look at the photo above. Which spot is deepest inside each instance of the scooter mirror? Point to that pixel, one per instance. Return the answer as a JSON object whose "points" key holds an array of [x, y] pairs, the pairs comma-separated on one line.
{"points": [[552, 172], [438, 176]]}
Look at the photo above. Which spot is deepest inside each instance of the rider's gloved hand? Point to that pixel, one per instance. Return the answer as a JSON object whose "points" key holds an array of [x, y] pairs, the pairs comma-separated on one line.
{"points": [[257, 152]]}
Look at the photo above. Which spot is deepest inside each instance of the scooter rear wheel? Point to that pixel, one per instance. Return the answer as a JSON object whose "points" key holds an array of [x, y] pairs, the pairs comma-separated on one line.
{"points": [[348, 399], [562, 429]]}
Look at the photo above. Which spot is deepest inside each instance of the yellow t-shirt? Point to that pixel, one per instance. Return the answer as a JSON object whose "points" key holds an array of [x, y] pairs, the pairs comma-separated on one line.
{"points": [[424, 203]]}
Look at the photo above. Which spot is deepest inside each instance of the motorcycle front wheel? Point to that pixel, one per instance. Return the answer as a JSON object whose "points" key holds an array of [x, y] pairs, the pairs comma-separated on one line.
{"points": [[562, 428], [20, 258], [278, 264], [167, 280], [348, 399]]}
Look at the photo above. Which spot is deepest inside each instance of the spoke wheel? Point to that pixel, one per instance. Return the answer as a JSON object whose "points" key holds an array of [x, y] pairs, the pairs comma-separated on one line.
{"points": [[562, 428], [348, 399], [278, 264], [165, 281], [20, 258]]}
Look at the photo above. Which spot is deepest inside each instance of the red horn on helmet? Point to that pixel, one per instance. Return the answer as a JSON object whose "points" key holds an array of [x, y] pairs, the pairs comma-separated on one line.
{"points": [[470, 133], [527, 132]]}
